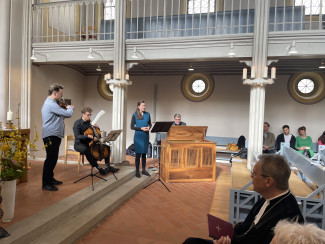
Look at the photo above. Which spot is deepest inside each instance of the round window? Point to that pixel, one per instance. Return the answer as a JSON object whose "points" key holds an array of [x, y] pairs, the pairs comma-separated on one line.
{"points": [[197, 87], [104, 89], [307, 87]]}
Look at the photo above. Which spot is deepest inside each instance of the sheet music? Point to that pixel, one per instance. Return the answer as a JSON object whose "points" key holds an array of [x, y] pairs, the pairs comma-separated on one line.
{"points": [[100, 113]]}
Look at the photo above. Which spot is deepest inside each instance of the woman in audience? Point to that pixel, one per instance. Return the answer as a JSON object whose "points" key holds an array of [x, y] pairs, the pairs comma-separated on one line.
{"points": [[286, 232], [321, 139], [304, 144]]}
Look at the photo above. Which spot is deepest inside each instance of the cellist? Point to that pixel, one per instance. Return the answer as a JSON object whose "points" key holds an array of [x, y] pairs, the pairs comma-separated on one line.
{"points": [[82, 141]]}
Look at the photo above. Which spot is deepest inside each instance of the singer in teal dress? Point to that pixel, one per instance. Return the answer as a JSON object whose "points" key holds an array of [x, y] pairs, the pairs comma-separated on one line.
{"points": [[141, 123]]}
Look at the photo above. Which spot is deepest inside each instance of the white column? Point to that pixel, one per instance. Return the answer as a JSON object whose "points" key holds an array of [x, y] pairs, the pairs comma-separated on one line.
{"points": [[257, 93], [119, 90], [4, 56], [26, 65]]}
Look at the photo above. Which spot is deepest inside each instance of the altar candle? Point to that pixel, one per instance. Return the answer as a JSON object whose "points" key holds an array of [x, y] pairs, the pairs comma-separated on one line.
{"points": [[273, 71], [127, 77], [253, 72], [244, 73], [265, 71], [9, 115]]}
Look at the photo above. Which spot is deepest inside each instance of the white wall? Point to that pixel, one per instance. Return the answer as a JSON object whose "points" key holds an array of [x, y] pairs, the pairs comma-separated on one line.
{"points": [[281, 109], [42, 78], [96, 102]]}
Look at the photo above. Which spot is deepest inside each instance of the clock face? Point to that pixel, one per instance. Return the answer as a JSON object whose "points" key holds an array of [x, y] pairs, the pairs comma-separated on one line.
{"points": [[104, 90]]}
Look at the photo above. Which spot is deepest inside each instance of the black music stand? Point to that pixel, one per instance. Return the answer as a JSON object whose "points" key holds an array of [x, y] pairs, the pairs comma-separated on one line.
{"points": [[160, 127], [112, 136], [92, 177]]}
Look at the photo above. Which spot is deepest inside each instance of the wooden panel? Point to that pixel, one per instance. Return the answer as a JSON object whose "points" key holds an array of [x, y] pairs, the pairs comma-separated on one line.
{"points": [[175, 158], [207, 157], [186, 133], [188, 161], [192, 155], [191, 174]]}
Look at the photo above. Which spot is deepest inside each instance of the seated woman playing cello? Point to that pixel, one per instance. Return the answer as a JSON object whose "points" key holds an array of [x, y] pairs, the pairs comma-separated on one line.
{"points": [[85, 134]]}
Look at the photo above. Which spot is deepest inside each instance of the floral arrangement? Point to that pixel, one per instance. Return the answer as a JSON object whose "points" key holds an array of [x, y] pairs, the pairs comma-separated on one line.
{"points": [[14, 149]]}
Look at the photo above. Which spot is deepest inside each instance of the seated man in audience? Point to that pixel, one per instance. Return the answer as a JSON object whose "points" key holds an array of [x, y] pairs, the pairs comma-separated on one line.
{"points": [[286, 232], [285, 137], [270, 178], [268, 139], [177, 120]]}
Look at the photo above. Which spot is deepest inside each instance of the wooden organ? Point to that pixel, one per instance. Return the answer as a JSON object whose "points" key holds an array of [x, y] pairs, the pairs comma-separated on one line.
{"points": [[186, 156]]}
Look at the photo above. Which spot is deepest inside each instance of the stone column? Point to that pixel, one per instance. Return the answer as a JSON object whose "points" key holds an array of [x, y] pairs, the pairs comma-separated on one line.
{"points": [[4, 56], [119, 89], [257, 92]]}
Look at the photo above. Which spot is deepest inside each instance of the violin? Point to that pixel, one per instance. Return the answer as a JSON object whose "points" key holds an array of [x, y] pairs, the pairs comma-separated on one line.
{"points": [[63, 104], [97, 148]]}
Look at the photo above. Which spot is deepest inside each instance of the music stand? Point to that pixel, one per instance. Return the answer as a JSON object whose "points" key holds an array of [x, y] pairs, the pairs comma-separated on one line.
{"points": [[92, 177], [160, 127], [112, 136]]}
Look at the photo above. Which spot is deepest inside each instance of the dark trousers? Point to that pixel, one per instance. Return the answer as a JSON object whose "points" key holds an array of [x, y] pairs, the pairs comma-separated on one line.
{"points": [[52, 146], [85, 149], [137, 160]]}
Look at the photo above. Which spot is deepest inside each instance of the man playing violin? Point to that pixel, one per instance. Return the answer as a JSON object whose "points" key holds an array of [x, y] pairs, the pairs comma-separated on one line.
{"points": [[52, 133], [82, 141]]}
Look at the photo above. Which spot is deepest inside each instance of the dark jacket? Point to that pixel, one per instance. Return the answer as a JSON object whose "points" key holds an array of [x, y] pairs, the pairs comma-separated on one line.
{"points": [[280, 139], [283, 207]]}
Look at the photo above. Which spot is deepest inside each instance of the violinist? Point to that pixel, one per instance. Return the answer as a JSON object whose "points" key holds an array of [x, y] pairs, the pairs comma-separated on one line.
{"points": [[82, 141], [52, 133]]}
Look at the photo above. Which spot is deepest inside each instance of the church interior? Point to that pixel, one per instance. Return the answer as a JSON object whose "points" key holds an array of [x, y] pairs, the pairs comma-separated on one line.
{"points": [[225, 66]]}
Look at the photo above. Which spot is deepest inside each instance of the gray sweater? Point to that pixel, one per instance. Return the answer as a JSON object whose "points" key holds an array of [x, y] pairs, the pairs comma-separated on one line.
{"points": [[53, 118]]}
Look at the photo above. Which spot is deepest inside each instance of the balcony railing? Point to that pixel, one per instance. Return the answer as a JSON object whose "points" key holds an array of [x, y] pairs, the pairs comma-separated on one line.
{"points": [[93, 20]]}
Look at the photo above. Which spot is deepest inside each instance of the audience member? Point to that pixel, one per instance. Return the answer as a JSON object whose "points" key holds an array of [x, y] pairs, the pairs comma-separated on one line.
{"points": [[321, 139], [285, 137], [270, 178], [177, 120], [268, 139], [286, 232], [304, 143]]}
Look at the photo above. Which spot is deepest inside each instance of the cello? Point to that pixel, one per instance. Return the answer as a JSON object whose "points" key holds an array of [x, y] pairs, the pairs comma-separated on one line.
{"points": [[98, 149]]}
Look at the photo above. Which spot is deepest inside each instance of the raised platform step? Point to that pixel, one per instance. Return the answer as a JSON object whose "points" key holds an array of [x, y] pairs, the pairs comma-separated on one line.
{"points": [[70, 219]]}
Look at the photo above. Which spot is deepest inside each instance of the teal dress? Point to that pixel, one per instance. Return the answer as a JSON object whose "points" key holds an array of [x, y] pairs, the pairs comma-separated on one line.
{"points": [[304, 142], [141, 138]]}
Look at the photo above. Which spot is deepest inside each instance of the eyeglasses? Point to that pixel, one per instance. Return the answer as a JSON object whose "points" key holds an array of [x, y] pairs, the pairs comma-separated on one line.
{"points": [[177, 119], [253, 174], [88, 115]]}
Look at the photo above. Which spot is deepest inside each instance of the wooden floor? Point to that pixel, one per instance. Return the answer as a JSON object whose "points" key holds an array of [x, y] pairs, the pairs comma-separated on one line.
{"points": [[220, 202]]}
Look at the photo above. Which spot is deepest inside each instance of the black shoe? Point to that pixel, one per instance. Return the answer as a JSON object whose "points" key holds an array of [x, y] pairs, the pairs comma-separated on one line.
{"points": [[144, 172], [101, 171], [56, 182], [112, 169], [137, 174], [49, 188]]}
